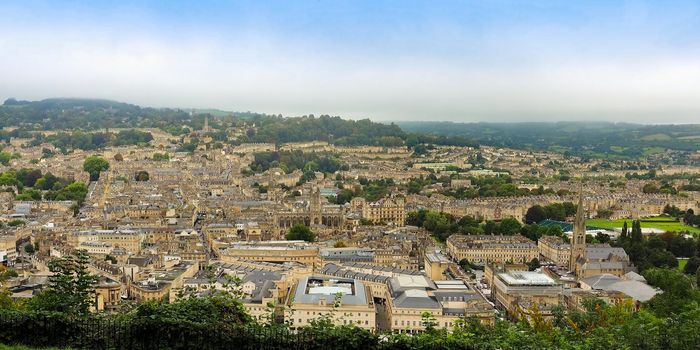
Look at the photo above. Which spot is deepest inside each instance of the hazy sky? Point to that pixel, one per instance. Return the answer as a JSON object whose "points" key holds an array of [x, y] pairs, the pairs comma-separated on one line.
{"points": [[387, 60]]}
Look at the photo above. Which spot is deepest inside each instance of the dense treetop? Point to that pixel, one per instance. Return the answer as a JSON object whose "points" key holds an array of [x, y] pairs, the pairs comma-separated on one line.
{"points": [[87, 114], [96, 115], [586, 139]]}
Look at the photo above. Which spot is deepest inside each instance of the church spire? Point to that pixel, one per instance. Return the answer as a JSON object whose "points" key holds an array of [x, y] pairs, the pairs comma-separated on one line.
{"points": [[580, 220], [578, 238]]}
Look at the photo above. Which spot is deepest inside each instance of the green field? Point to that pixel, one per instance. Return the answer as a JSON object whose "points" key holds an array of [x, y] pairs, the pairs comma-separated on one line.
{"points": [[658, 222], [648, 151], [656, 137], [681, 263]]}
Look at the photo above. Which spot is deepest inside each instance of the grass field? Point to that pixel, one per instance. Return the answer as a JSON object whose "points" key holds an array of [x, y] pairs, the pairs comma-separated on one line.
{"points": [[648, 151], [681, 263], [658, 222], [656, 137]]}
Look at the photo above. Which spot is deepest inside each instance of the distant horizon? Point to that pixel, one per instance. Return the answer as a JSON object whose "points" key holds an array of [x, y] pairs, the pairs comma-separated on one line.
{"points": [[466, 61], [385, 121]]}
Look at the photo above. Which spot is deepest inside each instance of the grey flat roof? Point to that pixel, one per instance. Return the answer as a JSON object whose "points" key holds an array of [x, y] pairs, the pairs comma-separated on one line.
{"points": [[358, 298], [637, 290], [601, 253], [415, 298]]}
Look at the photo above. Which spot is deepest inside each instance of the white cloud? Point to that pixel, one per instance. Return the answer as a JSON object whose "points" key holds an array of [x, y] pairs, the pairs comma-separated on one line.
{"points": [[509, 79]]}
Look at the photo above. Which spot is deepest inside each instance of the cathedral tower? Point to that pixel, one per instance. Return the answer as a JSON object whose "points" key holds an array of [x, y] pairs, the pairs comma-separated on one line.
{"points": [[315, 207]]}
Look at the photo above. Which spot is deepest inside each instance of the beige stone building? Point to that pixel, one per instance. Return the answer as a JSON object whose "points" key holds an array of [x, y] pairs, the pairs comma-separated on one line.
{"points": [[492, 270], [107, 294], [8, 248], [435, 265], [587, 261], [260, 284], [446, 302], [554, 249], [396, 258], [518, 292], [482, 249], [162, 284], [131, 240], [406, 295], [96, 248], [390, 211], [271, 251], [312, 213], [343, 301]]}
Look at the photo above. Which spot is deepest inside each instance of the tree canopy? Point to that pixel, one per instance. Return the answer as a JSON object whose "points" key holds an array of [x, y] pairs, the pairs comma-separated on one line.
{"points": [[300, 232], [94, 165]]}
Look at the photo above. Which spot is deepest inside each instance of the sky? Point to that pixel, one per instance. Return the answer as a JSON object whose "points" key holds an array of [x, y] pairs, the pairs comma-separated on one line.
{"points": [[488, 60]]}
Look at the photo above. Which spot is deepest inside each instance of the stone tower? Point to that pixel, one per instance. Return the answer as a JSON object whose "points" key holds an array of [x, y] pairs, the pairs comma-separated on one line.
{"points": [[315, 206], [578, 238]]}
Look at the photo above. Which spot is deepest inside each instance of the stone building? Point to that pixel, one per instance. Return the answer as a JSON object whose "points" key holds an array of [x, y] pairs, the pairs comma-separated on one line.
{"points": [[391, 211], [598, 259], [270, 251], [345, 301], [553, 248], [519, 292], [482, 249], [310, 213]]}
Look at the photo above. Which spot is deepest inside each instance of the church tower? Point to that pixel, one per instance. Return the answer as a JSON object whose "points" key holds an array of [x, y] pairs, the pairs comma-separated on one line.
{"points": [[578, 238], [315, 206]]}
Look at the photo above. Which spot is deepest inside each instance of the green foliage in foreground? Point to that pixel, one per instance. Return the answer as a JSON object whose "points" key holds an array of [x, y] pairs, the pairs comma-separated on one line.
{"points": [[217, 320], [178, 327], [21, 347]]}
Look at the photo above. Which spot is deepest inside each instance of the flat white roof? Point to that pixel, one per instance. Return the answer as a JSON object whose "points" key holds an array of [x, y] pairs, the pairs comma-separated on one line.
{"points": [[416, 293], [525, 278], [330, 290], [412, 281], [450, 284]]}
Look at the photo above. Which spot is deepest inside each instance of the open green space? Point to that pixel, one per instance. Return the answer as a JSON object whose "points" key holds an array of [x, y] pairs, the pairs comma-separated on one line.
{"points": [[657, 222], [618, 149], [681, 263], [648, 151], [656, 137]]}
